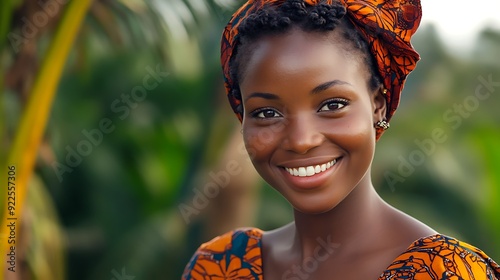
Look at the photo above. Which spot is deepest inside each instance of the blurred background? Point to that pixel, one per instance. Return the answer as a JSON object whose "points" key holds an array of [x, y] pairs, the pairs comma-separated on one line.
{"points": [[141, 159]]}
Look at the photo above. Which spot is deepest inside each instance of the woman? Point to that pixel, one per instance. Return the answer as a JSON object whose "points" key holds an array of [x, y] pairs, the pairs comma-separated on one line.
{"points": [[315, 84]]}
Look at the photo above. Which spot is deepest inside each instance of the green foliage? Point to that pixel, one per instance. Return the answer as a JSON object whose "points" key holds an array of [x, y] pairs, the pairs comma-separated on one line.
{"points": [[118, 207], [455, 187]]}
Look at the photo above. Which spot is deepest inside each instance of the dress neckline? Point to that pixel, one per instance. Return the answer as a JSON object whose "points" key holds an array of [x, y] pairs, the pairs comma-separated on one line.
{"points": [[418, 244], [238, 255]]}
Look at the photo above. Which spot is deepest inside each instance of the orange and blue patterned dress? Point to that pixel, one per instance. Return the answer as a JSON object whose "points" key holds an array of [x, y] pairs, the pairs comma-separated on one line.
{"points": [[237, 255]]}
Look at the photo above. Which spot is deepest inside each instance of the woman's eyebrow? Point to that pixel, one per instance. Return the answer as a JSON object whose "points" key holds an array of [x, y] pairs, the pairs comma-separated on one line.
{"points": [[318, 89], [327, 85], [264, 95]]}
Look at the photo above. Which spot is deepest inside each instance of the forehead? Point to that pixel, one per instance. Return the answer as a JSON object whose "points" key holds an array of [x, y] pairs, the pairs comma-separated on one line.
{"points": [[299, 55]]}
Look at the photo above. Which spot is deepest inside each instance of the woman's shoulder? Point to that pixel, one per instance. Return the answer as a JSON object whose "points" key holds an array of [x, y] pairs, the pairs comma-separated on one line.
{"points": [[442, 257], [236, 253]]}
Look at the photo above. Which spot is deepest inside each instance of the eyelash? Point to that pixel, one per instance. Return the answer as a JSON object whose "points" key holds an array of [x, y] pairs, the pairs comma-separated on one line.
{"points": [[255, 114], [341, 101], [344, 102]]}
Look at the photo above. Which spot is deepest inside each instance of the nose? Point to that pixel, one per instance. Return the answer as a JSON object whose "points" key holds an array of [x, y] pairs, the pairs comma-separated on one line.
{"points": [[302, 135]]}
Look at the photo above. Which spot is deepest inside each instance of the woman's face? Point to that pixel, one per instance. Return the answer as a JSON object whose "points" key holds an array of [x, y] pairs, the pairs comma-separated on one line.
{"points": [[309, 117]]}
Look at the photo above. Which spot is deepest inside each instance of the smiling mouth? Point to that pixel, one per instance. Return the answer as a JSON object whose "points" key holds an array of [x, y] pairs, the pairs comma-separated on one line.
{"points": [[308, 171]]}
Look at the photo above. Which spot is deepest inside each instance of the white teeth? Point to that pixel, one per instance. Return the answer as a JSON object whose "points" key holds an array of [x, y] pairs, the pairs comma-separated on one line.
{"points": [[302, 171], [323, 167], [308, 171]]}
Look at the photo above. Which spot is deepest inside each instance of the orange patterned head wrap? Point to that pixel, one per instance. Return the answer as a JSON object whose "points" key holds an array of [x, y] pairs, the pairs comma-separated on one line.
{"points": [[387, 26]]}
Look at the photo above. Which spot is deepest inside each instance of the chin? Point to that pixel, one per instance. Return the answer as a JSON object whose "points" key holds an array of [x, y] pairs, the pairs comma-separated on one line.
{"points": [[314, 205]]}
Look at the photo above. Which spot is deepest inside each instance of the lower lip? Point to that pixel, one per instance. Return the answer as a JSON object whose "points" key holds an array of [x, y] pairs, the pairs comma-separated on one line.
{"points": [[309, 182]]}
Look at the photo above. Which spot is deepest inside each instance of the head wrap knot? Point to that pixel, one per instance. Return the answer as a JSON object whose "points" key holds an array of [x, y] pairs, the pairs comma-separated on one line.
{"points": [[387, 26]]}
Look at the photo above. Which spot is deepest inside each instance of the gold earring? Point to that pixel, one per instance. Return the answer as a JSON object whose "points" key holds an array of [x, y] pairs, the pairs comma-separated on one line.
{"points": [[384, 91], [383, 124]]}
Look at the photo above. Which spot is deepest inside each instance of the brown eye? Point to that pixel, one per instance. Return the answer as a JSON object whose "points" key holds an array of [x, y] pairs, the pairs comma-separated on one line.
{"points": [[266, 114], [333, 105]]}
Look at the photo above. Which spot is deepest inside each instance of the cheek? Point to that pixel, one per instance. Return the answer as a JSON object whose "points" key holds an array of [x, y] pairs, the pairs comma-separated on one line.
{"points": [[355, 133], [260, 142]]}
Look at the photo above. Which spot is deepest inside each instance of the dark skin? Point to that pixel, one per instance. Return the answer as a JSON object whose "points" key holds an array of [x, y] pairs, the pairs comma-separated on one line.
{"points": [[307, 103]]}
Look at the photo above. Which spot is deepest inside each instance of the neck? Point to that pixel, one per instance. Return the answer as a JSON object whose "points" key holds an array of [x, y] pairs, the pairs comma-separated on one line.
{"points": [[346, 225]]}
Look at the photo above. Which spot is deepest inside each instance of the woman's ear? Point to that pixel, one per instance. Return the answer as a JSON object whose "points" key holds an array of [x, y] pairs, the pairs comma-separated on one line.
{"points": [[379, 104]]}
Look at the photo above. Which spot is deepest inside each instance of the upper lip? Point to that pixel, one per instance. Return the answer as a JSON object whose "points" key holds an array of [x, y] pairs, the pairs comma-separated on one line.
{"points": [[312, 161]]}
